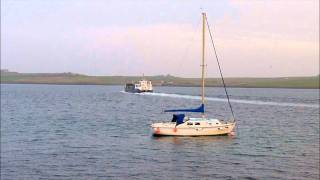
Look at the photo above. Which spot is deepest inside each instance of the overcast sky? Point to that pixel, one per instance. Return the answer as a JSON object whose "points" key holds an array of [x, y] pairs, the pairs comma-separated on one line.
{"points": [[105, 37]]}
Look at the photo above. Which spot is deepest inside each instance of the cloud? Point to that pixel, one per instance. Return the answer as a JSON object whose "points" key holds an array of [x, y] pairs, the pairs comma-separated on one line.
{"points": [[253, 38], [260, 38], [150, 49]]}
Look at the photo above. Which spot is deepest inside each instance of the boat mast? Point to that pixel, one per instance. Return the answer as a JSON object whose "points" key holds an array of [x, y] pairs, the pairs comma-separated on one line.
{"points": [[203, 47]]}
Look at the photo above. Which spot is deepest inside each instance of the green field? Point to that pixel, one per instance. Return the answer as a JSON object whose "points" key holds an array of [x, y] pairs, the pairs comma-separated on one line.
{"points": [[311, 82]]}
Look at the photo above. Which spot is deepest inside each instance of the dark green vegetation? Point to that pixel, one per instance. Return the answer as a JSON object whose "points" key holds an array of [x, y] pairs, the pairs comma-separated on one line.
{"points": [[71, 78]]}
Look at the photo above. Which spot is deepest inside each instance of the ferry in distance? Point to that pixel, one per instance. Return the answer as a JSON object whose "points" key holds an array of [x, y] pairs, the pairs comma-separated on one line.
{"points": [[139, 87]]}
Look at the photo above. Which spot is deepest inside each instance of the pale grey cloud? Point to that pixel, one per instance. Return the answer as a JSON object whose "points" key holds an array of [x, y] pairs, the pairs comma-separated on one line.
{"points": [[253, 38]]}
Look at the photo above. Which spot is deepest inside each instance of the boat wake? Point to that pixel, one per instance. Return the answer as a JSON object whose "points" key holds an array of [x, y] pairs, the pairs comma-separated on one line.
{"points": [[270, 103]]}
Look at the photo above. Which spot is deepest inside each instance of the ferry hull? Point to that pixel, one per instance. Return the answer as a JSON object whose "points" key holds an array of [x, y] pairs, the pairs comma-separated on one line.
{"points": [[137, 91]]}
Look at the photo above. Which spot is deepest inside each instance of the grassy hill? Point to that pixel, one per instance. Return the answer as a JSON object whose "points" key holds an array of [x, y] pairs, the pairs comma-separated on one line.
{"points": [[8, 77]]}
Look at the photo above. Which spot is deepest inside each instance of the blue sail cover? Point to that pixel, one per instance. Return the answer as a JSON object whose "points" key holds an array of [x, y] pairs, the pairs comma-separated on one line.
{"points": [[200, 109], [178, 118]]}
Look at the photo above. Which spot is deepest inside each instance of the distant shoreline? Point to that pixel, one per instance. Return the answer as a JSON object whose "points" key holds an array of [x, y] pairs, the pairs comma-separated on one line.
{"points": [[269, 87], [7, 77]]}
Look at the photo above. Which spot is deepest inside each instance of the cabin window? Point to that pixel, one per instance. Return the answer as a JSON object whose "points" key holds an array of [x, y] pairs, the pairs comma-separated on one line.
{"points": [[197, 123], [190, 123], [217, 123]]}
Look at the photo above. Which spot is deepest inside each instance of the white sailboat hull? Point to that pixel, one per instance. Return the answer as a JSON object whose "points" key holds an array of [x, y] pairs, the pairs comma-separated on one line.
{"points": [[206, 128]]}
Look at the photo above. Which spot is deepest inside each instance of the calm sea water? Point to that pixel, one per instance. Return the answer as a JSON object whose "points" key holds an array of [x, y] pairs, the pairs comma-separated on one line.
{"points": [[99, 132]]}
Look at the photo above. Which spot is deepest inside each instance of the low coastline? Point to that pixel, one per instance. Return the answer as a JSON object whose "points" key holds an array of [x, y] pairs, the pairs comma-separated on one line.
{"points": [[311, 82]]}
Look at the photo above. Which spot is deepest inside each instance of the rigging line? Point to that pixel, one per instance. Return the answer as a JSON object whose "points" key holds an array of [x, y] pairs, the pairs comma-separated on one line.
{"points": [[224, 85]]}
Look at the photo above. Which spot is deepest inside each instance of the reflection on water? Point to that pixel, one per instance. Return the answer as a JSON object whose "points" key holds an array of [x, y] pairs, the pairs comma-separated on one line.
{"points": [[199, 140]]}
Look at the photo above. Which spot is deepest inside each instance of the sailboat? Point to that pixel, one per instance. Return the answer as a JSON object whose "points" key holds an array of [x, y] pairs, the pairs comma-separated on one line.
{"points": [[180, 125]]}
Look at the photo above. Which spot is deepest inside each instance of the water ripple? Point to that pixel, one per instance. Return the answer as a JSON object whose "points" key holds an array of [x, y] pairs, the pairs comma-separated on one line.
{"points": [[95, 132]]}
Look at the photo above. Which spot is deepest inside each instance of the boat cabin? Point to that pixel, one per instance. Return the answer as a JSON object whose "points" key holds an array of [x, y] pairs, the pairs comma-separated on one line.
{"points": [[181, 118]]}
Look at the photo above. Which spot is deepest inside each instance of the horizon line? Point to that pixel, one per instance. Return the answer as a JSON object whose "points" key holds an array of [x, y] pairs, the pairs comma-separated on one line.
{"points": [[7, 70]]}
